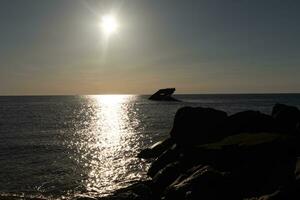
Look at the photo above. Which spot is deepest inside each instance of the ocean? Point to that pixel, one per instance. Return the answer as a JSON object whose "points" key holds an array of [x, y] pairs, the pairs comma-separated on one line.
{"points": [[60, 147]]}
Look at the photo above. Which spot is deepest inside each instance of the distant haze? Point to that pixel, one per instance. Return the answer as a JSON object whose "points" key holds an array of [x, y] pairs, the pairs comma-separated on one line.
{"points": [[201, 46]]}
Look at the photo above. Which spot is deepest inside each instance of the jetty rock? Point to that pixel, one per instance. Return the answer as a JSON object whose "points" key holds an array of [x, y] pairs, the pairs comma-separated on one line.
{"points": [[211, 155], [163, 95], [193, 126]]}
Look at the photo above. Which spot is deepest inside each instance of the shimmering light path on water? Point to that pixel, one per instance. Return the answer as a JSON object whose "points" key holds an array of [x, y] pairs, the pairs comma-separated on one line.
{"points": [[108, 146]]}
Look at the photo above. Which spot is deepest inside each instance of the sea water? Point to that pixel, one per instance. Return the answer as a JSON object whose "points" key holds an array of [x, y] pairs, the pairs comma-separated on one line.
{"points": [[64, 146]]}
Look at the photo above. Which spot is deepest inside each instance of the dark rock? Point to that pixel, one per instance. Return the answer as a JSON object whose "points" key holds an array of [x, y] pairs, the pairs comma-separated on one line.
{"points": [[297, 170], [279, 195], [169, 156], [212, 156], [164, 95], [188, 172], [157, 149], [287, 117], [259, 162], [138, 191], [263, 162], [165, 177], [250, 122], [194, 126], [204, 183]]}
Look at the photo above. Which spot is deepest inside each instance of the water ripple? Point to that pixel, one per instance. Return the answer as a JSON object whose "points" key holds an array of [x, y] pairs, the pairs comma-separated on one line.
{"points": [[107, 145]]}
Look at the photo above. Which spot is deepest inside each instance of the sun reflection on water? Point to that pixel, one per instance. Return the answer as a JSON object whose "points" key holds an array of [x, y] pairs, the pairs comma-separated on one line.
{"points": [[107, 145], [112, 118]]}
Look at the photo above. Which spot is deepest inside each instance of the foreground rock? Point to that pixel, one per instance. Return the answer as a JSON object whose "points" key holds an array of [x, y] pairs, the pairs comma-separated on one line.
{"points": [[137, 191], [157, 149], [287, 117], [250, 122], [200, 182], [209, 155], [169, 156], [193, 126]]}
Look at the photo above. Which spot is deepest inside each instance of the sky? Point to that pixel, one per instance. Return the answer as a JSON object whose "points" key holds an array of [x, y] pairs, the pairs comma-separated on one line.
{"points": [[204, 46]]}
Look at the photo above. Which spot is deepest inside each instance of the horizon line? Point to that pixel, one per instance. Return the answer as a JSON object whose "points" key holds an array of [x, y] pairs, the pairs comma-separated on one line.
{"points": [[224, 93]]}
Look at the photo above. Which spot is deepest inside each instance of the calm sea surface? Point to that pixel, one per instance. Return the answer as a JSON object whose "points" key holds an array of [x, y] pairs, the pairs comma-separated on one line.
{"points": [[66, 146]]}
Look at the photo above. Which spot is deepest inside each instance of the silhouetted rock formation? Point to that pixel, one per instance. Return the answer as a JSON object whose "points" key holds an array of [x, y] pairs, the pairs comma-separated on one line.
{"points": [[163, 95], [157, 149], [194, 126], [250, 122], [200, 182], [287, 117], [211, 156], [167, 157]]}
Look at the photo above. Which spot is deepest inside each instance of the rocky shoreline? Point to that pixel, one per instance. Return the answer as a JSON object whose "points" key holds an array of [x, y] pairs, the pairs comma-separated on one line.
{"points": [[210, 155]]}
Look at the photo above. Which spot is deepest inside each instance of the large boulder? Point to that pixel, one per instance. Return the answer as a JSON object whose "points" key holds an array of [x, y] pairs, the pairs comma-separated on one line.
{"points": [[277, 195], [250, 122], [297, 170], [157, 149], [169, 156], [287, 117], [280, 194], [194, 126], [201, 182], [259, 163], [165, 177]]}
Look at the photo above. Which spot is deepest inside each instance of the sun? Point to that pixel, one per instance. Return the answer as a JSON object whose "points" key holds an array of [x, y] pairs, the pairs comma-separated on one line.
{"points": [[109, 24]]}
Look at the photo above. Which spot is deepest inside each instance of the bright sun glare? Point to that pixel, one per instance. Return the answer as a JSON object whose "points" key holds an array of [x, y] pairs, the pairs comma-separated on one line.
{"points": [[109, 24]]}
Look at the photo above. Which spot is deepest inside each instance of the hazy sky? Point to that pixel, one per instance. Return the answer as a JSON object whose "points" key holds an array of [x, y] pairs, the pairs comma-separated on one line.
{"points": [[201, 46]]}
